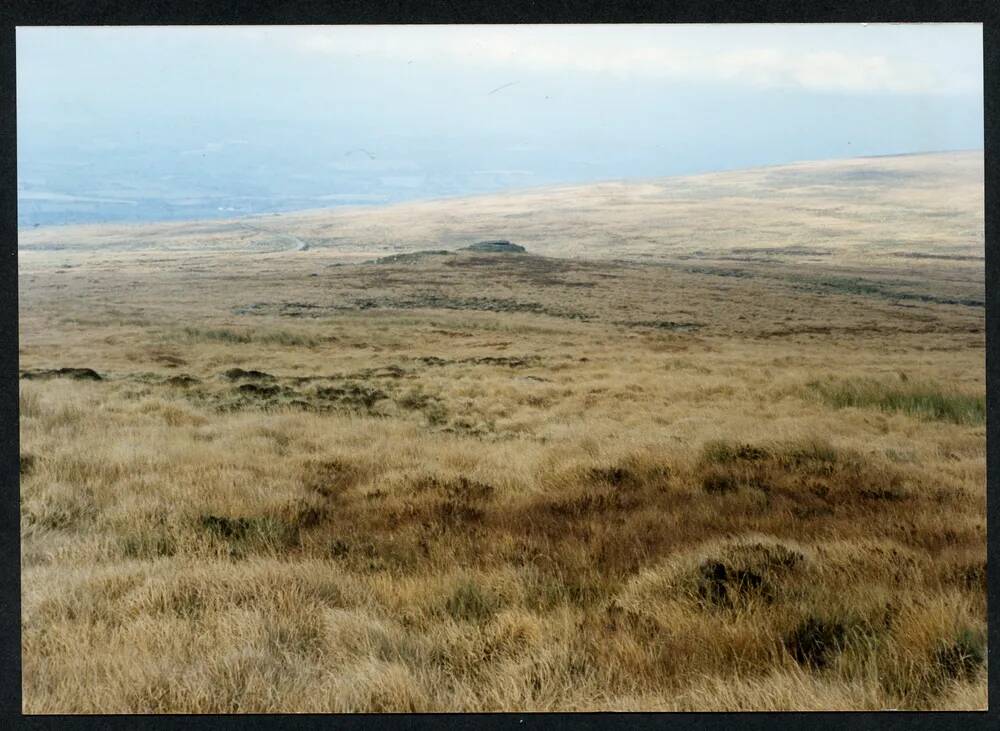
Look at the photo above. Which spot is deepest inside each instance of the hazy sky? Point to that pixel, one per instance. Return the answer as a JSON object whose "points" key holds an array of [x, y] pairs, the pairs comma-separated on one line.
{"points": [[150, 120]]}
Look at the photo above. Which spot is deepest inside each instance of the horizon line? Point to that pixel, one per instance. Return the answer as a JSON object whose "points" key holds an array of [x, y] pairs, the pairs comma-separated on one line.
{"points": [[504, 191]]}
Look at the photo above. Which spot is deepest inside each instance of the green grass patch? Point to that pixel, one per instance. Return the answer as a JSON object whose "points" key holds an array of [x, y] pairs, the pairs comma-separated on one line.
{"points": [[470, 603], [963, 657], [242, 337], [926, 400], [244, 536]]}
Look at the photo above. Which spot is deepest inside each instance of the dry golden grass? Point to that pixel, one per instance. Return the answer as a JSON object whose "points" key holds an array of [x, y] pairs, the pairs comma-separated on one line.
{"points": [[511, 482]]}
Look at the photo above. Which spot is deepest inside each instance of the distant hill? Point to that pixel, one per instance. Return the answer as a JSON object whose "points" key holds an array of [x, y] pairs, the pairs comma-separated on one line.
{"points": [[923, 205]]}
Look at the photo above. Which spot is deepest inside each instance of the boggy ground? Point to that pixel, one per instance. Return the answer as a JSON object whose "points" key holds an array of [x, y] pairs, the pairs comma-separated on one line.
{"points": [[460, 481]]}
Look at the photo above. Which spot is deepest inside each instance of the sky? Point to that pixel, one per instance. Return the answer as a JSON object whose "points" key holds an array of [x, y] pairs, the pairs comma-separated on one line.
{"points": [[152, 123]]}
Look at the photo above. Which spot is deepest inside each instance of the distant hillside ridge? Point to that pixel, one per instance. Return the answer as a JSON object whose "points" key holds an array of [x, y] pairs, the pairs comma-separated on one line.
{"points": [[916, 208], [498, 246]]}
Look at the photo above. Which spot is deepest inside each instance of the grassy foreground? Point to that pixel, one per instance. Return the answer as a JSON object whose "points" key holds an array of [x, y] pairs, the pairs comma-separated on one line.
{"points": [[508, 482]]}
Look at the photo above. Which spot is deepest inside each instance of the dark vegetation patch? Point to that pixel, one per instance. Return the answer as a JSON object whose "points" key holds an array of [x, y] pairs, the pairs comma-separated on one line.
{"points": [[352, 395], [77, 374], [284, 309], [339, 548], [330, 477], [942, 257], [783, 251], [496, 247], [242, 337], [891, 492], [244, 536], [616, 489], [970, 576], [810, 453], [256, 396], [255, 389], [250, 397], [726, 467], [469, 427], [663, 325], [376, 392], [616, 476], [183, 381], [719, 272], [259, 391], [722, 452], [431, 406], [411, 257], [815, 641], [886, 329], [719, 584], [388, 371], [596, 527], [812, 478], [461, 488], [582, 505], [168, 359], [870, 288], [425, 517], [26, 463], [537, 271], [555, 282], [392, 371], [845, 285], [764, 254], [746, 259], [719, 483], [483, 304], [449, 514], [303, 514], [237, 374], [508, 361], [927, 400], [745, 572], [228, 528]]}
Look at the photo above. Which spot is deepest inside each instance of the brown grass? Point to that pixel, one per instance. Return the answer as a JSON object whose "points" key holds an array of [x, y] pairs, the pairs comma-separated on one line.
{"points": [[442, 485]]}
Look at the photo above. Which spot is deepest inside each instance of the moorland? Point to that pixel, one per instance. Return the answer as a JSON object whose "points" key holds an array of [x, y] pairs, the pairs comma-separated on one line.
{"points": [[707, 443]]}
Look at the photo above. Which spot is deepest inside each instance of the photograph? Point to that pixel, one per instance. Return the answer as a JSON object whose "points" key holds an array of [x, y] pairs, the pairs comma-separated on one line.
{"points": [[509, 368]]}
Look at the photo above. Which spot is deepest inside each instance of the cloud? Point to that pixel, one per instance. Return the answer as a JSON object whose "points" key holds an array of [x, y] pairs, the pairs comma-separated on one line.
{"points": [[920, 58], [829, 71], [758, 57]]}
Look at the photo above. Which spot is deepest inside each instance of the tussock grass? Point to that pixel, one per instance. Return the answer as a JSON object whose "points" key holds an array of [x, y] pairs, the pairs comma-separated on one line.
{"points": [[449, 575], [267, 561]]}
